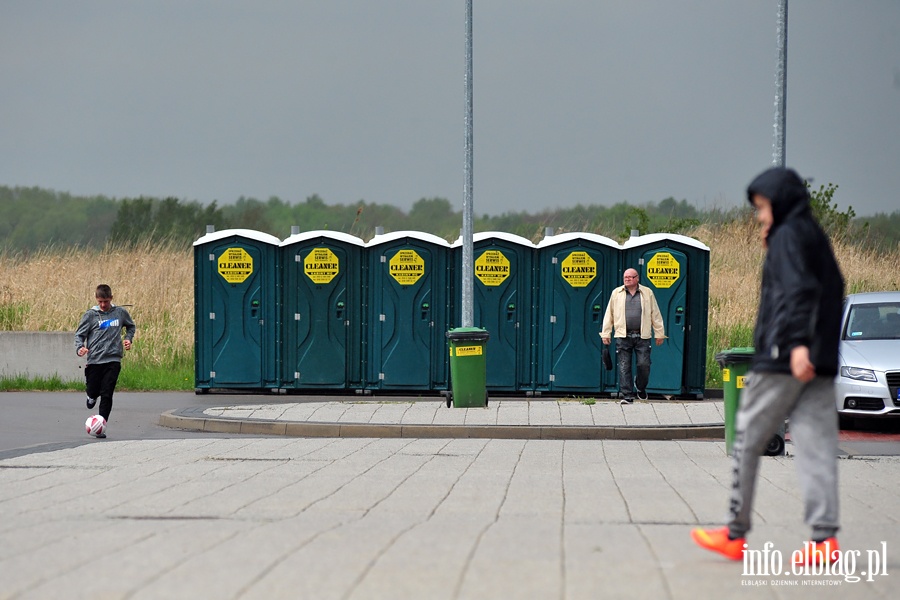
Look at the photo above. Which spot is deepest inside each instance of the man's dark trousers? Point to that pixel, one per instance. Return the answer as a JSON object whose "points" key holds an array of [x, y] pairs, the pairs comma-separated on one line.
{"points": [[632, 344]]}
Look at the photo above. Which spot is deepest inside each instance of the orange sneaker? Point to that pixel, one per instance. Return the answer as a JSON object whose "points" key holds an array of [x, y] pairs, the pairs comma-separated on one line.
{"points": [[821, 553], [717, 540]]}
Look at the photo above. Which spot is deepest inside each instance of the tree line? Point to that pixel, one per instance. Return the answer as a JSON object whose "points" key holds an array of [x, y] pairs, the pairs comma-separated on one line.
{"points": [[32, 218]]}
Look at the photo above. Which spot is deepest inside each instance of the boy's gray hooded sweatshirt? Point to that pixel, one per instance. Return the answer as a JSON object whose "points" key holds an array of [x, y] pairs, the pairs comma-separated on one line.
{"points": [[101, 332]]}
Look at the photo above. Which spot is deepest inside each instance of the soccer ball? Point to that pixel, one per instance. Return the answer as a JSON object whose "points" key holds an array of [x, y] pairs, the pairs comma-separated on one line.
{"points": [[95, 425]]}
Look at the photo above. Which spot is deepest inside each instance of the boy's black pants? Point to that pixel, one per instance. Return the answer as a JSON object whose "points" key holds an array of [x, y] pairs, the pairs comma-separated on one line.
{"points": [[101, 383]]}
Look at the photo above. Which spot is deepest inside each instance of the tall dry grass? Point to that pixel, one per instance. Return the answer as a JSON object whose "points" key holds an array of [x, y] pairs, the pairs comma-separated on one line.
{"points": [[50, 289], [736, 257]]}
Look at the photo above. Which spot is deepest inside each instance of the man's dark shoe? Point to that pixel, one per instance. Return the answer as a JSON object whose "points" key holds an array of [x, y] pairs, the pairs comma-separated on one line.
{"points": [[100, 436], [642, 394], [91, 402], [626, 401]]}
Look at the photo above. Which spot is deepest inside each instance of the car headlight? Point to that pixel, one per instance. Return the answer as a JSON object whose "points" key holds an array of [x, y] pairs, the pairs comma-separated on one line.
{"points": [[858, 374]]}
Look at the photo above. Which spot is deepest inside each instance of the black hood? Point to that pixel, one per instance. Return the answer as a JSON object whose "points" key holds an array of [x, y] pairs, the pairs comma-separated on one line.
{"points": [[784, 188]]}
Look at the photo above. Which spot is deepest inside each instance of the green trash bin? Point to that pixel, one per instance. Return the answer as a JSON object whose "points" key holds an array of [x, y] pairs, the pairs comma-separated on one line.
{"points": [[735, 363], [468, 367]]}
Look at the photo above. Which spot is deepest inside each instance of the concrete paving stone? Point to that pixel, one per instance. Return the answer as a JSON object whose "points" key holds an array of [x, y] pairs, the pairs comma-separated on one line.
{"points": [[647, 494], [520, 548], [511, 412], [328, 412], [574, 412], [432, 555], [449, 416], [543, 412], [71, 555], [670, 412], [610, 560], [640, 414], [269, 412], [391, 412], [241, 411], [360, 411], [701, 413], [608, 413], [481, 416], [302, 411], [591, 494], [267, 544], [422, 413], [408, 518]]}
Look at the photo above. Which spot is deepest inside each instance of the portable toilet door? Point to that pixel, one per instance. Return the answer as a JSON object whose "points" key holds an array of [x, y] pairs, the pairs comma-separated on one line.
{"points": [[676, 268], [322, 292], [236, 310], [503, 305], [577, 272], [407, 313]]}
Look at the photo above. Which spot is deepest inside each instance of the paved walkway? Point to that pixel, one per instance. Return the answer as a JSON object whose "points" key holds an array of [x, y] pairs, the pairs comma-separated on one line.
{"points": [[250, 517], [502, 418]]}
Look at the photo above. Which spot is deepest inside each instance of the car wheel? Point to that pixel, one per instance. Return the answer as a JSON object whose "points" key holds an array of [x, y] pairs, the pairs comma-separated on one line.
{"points": [[775, 446]]}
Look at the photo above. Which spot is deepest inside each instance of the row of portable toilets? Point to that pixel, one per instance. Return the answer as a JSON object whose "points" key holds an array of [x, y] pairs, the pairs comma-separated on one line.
{"points": [[323, 310]]}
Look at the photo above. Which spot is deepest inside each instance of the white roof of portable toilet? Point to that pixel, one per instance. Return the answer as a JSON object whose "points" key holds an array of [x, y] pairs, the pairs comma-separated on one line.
{"points": [[396, 235], [500, 235], [561, 238], [642, 240], [259, 236], [335, 235]]}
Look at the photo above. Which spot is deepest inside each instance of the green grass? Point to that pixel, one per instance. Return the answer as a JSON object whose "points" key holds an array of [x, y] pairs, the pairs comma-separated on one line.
{"points": [[721, 338], [42, 384], [144, 377], [135, 377], [12, 316], [175, 370]]}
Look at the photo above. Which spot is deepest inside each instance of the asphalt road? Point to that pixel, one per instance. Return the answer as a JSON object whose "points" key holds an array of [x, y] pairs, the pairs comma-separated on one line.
{"points": [[45, 421]]}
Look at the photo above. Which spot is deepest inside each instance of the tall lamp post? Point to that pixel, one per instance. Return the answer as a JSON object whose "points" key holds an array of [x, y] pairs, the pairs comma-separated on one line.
{"points": [[468, 271], [778, 158]]}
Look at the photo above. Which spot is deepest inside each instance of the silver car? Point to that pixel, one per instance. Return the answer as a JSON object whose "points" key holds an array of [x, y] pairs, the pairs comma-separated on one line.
{"points": [[868, 384]]}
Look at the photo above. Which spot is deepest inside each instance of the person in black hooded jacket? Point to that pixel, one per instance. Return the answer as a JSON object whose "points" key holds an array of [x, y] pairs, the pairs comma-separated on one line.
{"points": [[792, 373]]}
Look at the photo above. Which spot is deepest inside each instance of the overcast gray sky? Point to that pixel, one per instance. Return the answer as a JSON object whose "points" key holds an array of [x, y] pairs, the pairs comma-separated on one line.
{"points": [[576, 101]]}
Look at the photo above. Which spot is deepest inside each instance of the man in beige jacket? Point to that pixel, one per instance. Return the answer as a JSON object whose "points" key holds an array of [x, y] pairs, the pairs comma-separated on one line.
{"points": [[634, 315]]}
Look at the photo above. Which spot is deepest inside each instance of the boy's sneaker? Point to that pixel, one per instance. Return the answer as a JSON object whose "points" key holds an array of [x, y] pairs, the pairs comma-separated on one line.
{"points": [[717, 540], [817, 553], [100, 435], [90, 402]]}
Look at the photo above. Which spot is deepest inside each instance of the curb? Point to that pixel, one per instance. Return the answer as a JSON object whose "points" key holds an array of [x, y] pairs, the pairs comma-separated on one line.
{"points": [[176, 419]]}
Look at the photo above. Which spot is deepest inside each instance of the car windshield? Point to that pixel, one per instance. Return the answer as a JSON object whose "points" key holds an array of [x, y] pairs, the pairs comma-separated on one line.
{"points": [[873, 322]]}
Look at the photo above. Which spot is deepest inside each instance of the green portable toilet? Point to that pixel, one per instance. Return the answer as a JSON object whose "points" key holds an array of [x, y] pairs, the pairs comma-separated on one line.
{"points": [[576, 274], [502, 305], [322, 299], [676, 268], [236, 310], [407, 312]]}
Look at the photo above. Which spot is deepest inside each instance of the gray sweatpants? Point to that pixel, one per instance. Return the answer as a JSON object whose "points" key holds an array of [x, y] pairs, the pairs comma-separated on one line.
{"points": [[767, 400]]}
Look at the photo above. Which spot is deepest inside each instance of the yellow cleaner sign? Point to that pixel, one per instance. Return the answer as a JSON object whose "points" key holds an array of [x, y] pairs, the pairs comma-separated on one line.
{"points": [[321, 265], [663, 270], [578, 269], [235, 265], [469, 350], [406, 267], [492, 267]]}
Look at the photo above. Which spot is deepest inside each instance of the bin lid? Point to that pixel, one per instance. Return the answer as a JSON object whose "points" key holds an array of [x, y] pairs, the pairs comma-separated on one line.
{"points": [[735, 356], [469, 334]]}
